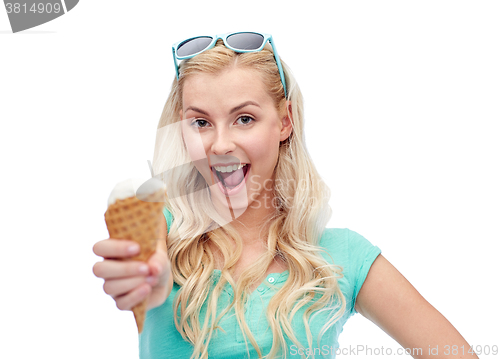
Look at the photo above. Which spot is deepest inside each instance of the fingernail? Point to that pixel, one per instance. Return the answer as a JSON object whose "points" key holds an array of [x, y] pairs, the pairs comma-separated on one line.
{"points": [[158, 268], [134, 248], [150, 279], [143, 269]]}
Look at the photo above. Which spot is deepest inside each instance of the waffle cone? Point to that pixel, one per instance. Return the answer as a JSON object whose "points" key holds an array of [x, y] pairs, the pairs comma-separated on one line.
{"points": [[139, 221]]}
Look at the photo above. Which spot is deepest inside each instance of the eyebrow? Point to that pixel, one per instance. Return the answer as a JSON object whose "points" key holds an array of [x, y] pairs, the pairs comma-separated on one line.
{"points": [[244, 104], [234, 109]]}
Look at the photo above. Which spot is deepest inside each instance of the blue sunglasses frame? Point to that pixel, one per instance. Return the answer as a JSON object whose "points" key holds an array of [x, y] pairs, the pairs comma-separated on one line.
{"points": [[266, 38]]}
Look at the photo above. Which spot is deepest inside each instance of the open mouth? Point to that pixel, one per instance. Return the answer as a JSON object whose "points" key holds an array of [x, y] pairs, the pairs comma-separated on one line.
{"points": [[231, 176]]}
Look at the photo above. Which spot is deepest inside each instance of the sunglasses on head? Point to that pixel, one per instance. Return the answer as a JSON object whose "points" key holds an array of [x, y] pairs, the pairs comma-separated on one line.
{"points": [[236, 41]]}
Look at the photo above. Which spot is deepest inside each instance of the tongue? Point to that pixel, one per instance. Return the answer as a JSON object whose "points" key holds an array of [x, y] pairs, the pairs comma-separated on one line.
{"points": [[232, 179]]}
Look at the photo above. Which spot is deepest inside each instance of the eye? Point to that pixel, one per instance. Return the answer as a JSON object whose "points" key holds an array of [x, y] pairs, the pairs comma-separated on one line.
{"points": [[200, 123], [245, 120]]}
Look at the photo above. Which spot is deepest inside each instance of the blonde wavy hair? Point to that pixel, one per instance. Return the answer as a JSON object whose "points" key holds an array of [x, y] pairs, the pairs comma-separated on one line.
{"points": [[294, 232]]}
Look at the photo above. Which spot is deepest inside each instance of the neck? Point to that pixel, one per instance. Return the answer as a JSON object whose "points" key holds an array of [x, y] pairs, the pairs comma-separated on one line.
{"points": [[253, 227], [253, 224]]}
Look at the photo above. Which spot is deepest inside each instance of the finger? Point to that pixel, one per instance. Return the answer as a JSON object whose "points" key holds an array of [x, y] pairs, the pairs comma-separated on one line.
{"points": [[159, 268], [159, 263], [130, 300], [119, 269], [159, 260], [116, 248], [156, 266], [118, 287]]}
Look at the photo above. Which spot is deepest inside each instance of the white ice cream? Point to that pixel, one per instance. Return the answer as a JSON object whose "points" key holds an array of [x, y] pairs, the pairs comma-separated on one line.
{"points": [[128, 188]]}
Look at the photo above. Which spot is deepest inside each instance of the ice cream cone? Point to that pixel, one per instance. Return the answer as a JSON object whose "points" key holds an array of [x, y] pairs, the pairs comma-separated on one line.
{"points": [[137, 220]]}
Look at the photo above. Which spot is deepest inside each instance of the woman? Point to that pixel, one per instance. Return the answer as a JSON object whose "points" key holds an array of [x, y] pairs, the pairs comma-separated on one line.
{"points": [[248, 268]]}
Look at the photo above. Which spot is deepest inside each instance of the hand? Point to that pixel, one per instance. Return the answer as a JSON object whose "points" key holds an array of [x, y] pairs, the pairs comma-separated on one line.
{"points": [[130, 282]]}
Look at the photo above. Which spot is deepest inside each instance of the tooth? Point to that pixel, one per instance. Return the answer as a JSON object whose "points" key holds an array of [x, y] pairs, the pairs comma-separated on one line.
{"points": [[225, 169]]}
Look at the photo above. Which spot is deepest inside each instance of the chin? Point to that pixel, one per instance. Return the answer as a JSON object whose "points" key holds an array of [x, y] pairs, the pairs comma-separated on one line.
{"points": [[229, 207]]}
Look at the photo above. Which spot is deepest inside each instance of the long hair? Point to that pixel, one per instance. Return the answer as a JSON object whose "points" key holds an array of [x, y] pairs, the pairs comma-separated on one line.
{"points": [[301, 214]]}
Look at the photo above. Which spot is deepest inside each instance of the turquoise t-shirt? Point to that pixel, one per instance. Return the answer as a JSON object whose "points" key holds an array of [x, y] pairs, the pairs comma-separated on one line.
{"points": [[161, 340]]}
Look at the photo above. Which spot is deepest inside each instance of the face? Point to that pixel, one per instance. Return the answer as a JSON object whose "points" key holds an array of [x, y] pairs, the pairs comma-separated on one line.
{"points": [[232, 131]]}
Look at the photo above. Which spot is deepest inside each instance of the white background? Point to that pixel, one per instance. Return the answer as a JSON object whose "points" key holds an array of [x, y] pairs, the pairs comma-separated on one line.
{"points": [[402, 120]]}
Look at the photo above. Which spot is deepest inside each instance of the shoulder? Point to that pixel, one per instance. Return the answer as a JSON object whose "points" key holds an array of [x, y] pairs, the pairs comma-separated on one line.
{"points": [[346, 244], [353, 253], [168, 217]]}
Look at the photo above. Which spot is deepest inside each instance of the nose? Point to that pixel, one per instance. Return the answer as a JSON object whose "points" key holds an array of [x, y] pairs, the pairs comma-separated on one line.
{"points": [[223, 143]]}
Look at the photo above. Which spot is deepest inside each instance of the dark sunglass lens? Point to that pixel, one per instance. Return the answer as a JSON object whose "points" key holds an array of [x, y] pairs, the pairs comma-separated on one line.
{"points": [[245, 41], [193, 46]]}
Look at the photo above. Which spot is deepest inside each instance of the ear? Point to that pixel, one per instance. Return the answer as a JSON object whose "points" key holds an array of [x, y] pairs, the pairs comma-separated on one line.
{"points": [[286, 122]]}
